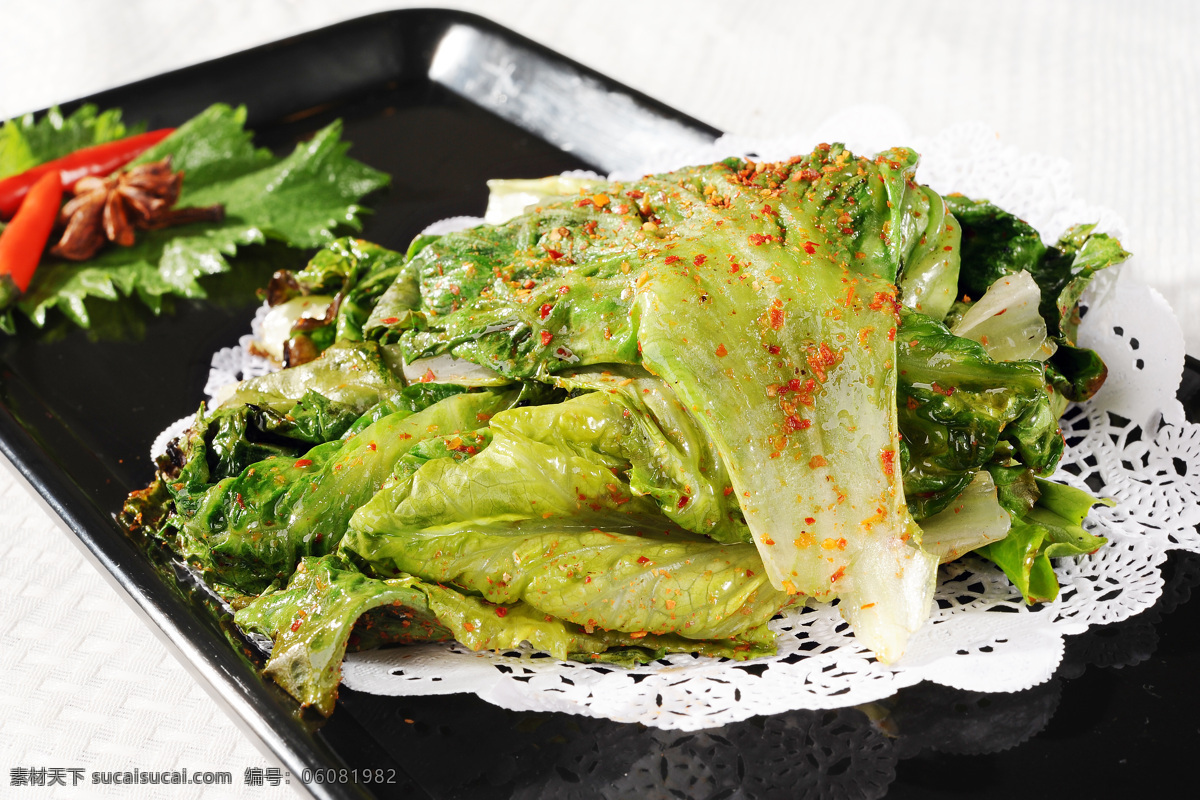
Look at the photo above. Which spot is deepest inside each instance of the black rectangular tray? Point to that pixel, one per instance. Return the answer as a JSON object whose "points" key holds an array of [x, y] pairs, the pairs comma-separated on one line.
{"points": [[442, 101]]}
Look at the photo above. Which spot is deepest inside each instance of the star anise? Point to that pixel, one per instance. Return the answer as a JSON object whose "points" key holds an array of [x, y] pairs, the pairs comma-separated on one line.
{"points": [[109, 209]]}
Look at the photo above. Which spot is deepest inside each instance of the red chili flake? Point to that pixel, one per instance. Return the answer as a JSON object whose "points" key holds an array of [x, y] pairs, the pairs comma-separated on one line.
{"points": [[809, 174], [820, 359], [891, 334], [583, 201], [589, 227], [947, 248], [699, 259], [883, 300], [728, 491], [240, 502], [371, 446], [888, 456], [302, 462], [501, 611], [296, 626], [547, 337], [454, 290], [810, 248], [734, 269], [672, 259], [635, 194], [1001, 311], [721, 351], [946, 390], [564, 290], [390, 320], [643, 560], [768, 210], [837, 575], [545, 310], [773, 349], [776, 316], [683, 501], [758, 239], [912, 404], [794, 423], [554, 254], [804, 390], [809, 520], [428, 377]]}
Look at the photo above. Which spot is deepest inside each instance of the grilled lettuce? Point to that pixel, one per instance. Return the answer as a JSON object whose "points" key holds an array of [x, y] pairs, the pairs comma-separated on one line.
{"points": [[644, 417]]}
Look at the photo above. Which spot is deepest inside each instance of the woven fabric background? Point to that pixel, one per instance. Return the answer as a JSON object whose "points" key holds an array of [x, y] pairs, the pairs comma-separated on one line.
{"points": [[1112, 86]]}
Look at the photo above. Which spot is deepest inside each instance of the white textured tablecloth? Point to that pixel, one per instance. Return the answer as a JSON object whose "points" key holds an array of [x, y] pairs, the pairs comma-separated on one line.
{"points": [[1114, 88]]}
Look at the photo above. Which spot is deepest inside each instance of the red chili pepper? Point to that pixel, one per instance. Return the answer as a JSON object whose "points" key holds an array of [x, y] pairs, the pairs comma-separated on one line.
{"points": [[24, 239], [99, 160]]}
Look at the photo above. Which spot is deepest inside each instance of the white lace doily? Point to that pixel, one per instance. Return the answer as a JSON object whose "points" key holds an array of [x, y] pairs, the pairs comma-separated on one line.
{"points": [[1130, 442]]}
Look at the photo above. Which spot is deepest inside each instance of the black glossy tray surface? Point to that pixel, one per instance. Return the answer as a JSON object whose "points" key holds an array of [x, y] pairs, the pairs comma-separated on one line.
{"points": [[423, 96]]}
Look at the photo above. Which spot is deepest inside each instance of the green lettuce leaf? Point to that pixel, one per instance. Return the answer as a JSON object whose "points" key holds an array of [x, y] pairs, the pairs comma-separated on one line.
{"points": [[929, 280], [996, 244], [351, 274], [311, 623], [251, 529], [636, 426], [1067, 269], [957, 406], [550, 524], [1052, 528], [326, 607], [301, 199], [356, 374], [285, 413]]}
